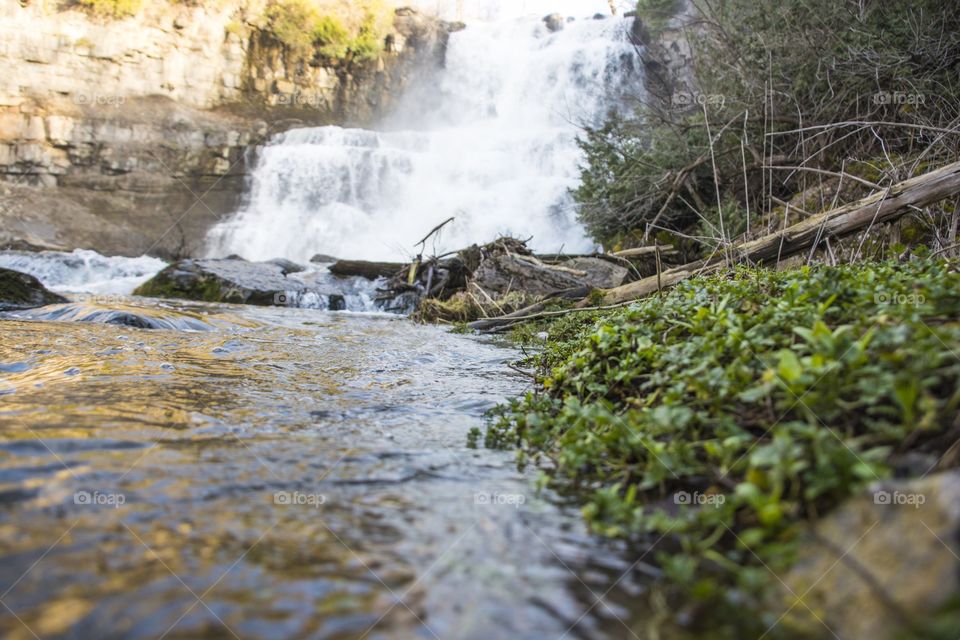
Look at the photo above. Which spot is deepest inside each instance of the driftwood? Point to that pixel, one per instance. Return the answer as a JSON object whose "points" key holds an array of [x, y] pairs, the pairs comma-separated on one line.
{"points": [[875, 209], [368, 270], [863, 214]]}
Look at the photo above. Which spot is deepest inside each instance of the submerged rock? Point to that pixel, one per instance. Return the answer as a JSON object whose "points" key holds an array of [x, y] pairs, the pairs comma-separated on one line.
{"points": [[891, 556], [23, 291], [121, 315]]}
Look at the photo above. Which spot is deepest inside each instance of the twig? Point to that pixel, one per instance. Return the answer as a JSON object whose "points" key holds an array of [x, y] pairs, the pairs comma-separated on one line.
{"points": [[831, 173], [433, 231]]}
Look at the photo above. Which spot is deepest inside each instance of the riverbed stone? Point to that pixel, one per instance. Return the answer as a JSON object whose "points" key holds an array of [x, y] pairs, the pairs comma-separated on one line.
{"points": [[23, 291], [879, 566]]}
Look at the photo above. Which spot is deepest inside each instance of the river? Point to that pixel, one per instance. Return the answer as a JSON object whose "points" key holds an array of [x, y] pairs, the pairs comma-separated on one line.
{"points": [[278, 473]]}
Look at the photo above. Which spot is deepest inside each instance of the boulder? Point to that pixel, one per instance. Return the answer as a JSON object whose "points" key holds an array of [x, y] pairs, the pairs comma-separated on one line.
{"points": [[555, 22], [234, 281], [600, 273], [227, 280], [881, 566], [23, 291]]}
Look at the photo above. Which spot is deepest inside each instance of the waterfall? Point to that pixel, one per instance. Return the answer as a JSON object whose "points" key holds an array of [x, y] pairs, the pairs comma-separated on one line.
{"points": [[491, 143]]}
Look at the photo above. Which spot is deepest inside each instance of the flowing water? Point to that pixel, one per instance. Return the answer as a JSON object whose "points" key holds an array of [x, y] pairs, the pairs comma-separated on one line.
{"points": [[491, 142], [277, 473]]}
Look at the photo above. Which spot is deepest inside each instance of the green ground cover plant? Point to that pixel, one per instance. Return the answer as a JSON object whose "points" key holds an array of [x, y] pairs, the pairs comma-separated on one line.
{"points": [[770, 395]]}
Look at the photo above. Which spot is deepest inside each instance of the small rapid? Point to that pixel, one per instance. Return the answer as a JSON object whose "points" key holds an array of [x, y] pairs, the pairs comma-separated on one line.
{"points": [[83, 270]]}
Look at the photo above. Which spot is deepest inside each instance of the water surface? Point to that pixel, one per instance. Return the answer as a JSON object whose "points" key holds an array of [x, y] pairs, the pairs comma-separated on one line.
{"points": [[278, 473]]}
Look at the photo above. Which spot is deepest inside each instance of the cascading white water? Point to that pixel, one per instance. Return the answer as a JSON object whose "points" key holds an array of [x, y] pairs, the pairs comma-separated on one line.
{"points": [[83, 271], [492, 144]]}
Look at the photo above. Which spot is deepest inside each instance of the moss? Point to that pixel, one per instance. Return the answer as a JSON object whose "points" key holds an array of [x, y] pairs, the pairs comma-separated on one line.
{"points": [[204, 288]]}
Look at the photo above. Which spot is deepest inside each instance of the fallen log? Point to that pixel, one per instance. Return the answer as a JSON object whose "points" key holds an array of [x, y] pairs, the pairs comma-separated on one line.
{"points": [[883, 206], [368, 270]]}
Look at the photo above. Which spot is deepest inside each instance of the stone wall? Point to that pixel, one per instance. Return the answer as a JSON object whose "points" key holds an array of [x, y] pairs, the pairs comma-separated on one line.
{"points": [[132, 136]]}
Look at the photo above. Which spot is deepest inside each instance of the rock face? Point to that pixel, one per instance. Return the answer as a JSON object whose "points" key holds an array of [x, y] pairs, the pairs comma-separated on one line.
{"points": [[23, 291], [131, 136], [881, 565], [668, 59], [233, 281]]}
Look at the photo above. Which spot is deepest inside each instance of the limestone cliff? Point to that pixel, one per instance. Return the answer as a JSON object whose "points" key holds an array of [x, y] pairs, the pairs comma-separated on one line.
{"points": [[134, 135]]}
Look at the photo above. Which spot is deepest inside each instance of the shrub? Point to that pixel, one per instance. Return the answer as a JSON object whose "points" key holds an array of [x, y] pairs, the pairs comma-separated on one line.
{"points": [[293, 22], [304, 26], [111, 8]]}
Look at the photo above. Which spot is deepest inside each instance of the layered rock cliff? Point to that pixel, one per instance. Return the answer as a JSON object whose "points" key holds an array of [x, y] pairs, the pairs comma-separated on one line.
{"points": [[133, 136]]}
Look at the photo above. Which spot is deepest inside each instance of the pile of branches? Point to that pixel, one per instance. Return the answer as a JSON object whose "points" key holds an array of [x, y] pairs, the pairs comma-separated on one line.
{"points": [[498, 278]]}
